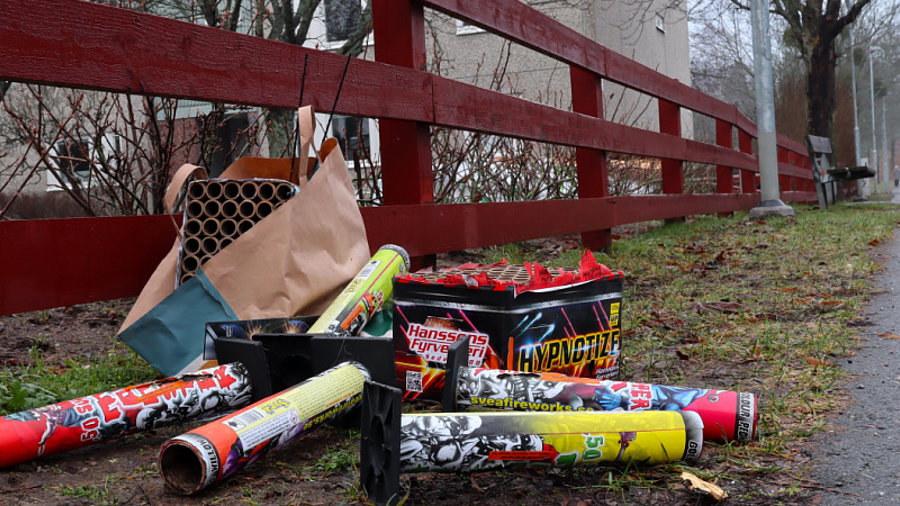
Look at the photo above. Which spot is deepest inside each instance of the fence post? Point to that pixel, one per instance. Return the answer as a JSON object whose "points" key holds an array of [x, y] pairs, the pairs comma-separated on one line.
{"points": [[587, 99], [406, 172], [672, 173], [724, 174], [748, 177]]}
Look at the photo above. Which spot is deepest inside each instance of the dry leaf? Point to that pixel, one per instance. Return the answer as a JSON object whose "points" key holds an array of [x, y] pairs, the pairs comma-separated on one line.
{"points": [[888, 335], [874, 242], [831, 303], [816, 362], [791, 289], [703, 487]]}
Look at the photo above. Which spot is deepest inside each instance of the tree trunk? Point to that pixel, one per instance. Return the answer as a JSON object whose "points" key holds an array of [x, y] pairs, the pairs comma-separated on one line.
{"points": [[820, 86]]}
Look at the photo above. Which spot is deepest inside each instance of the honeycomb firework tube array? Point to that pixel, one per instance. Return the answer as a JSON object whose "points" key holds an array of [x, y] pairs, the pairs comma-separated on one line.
{"points": [[192, 461], [519, 317], [218, 211], [726, 415], [365, 294], [484, 441], [72, 424]]}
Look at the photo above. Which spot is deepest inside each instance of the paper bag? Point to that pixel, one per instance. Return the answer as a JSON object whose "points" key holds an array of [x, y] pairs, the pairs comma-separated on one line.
{"points": [[294, 261]]}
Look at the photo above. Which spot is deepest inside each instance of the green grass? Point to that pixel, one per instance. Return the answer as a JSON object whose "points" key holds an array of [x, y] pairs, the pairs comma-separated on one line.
{"points": [[794, 289], [39, 384]]}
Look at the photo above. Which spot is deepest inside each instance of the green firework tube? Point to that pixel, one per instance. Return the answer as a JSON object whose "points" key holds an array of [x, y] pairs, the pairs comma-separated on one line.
{"points": [[365, 294], [494, 440]]}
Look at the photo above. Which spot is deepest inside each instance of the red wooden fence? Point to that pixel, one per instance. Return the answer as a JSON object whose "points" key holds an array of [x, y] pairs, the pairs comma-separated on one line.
{"points": [[48, 263]]}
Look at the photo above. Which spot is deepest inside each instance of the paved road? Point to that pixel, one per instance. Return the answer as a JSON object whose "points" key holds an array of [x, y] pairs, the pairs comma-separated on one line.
{"points": [[860, 458]]}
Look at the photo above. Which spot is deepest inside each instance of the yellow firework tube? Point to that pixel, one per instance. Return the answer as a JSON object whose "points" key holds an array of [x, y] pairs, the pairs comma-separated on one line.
{"points": [[483, 441], [194, 460], [365, 294]]}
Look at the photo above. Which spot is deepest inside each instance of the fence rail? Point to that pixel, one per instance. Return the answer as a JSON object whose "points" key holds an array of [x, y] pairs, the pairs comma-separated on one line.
{"points": [[48, 263]]}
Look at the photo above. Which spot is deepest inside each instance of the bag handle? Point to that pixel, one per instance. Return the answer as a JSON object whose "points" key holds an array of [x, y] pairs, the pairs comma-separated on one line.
{"points": [[306, 124], [179, 179], [181, 176]]}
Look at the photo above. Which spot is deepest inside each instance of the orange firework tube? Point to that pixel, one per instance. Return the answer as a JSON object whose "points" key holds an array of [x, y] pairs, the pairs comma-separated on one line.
{"points": [[72, 424], [194, 460], [365, 294], [726, 415]]}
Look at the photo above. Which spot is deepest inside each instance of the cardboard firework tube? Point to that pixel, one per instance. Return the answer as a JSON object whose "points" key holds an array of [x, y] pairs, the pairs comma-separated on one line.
{"points": [[211, 208], [229, 209], [194, 209], [365, 294], [192, 461], [72, 424], [284, 191], [191, 245], [263, 209], [213, 189], [726, 415], [192, 227], [210, 227], [190, 263], [244, 225], [210, 246], [247, 210], [266, 190], [224, 242], [228, 227], [495, 440], [249, 190], [231, 190], [196, 190]]}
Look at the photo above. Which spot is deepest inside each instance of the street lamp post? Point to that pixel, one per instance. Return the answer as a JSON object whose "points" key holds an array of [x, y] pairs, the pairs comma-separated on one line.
{"points": [[861, 183], [874, 137]]}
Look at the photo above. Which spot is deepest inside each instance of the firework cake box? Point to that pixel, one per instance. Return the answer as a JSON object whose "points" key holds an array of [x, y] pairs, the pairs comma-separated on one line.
{"points": [[517, 317]]}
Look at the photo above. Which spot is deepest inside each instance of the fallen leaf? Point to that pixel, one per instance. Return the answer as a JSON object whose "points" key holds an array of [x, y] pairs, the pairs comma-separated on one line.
{"points": [[831, 303], [704, 487], [721, 307], [790, 289], [816, 362], [888, 335], [874, 242]]}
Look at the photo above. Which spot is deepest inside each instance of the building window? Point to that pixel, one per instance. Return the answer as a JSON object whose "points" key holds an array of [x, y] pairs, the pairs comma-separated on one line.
{"points": [[72, 158], [352, 133], [660, 23], [341, 19]]}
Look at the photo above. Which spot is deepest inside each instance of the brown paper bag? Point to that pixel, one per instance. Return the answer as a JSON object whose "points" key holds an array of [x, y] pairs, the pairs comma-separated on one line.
{"points": [[294, 261]]}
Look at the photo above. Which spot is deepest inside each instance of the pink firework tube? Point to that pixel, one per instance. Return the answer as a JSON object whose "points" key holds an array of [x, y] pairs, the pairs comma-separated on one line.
{"points": [[726, 415], [72, 424], [192, 461]]}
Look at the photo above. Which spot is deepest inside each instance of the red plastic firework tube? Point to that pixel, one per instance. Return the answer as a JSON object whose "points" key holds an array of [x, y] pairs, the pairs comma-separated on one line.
{"points": [[192, 461], [726, 415], [75, 423]]}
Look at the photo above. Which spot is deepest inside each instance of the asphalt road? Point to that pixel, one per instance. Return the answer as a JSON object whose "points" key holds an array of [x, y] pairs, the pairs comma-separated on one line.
{"points": [[858, 460]]}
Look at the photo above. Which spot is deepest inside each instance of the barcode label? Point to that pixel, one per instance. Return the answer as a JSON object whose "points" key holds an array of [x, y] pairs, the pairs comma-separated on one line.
{"points": [[368, 269], [413, 381], [244, 419]]}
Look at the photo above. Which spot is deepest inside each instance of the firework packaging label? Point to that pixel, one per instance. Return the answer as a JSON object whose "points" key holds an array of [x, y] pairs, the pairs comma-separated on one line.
{"points": [[248, 329], [71, 424], [483, 441], [192, 461], [365, 294], [573, 328], [726, 415], [293, 261]]}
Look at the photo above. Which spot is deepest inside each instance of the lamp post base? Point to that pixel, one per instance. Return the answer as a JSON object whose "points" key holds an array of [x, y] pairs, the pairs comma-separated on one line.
{"points": [[774, 207]]}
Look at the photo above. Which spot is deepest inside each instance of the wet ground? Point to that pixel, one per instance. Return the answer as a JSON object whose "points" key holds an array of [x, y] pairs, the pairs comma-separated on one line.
{"points": [[858, 458]]}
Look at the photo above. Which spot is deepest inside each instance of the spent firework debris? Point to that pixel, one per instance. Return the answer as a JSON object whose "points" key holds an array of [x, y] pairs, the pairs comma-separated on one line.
{"points": [[219, 211]]}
